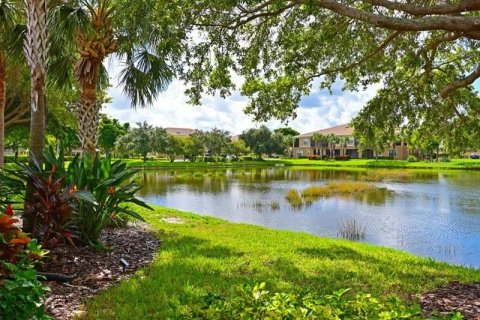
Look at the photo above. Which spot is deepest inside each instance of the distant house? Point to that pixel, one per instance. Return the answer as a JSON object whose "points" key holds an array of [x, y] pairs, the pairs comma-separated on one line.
{"points": [[180, 132], [304, 146]]}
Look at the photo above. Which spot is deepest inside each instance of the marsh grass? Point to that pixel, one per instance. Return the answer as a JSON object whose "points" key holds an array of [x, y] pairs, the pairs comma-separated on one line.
{"points": [[256, 204], [275, 205], [389, 175], [352, 229], [337, 188], [293, 197]]}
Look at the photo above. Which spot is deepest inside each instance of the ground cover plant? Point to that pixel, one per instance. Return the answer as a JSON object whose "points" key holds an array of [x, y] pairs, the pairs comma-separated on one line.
{"points": [[22, 292], [203, 256]]}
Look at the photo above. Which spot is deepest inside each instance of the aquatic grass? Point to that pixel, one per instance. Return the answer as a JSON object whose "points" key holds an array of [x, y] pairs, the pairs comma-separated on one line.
{"points": [[337, 188], [275, 205], [352, 229], [294, 198], [389, 175], [208, 255]]}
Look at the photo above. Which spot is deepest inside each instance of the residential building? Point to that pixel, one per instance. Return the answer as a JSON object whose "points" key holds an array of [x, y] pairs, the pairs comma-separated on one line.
{"points": [[304, 146], [180, 132]]}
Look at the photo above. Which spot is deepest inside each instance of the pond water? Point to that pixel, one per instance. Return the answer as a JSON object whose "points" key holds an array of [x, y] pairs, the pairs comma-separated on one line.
{"points": [[431, 214]]}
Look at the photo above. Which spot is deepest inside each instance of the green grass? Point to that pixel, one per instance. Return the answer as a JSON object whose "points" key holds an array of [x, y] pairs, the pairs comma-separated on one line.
{"points": [[206, 254], [454, 164]]}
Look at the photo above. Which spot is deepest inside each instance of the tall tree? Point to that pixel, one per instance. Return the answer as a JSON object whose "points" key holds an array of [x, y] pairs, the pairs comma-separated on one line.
{"points": [[262, 141], [36, 49], [101, 28], [110, 131], [317, 138], [8, 15], [424, 54]]}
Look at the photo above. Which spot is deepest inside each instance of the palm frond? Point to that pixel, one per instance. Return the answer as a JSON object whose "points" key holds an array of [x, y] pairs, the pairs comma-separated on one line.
{"points": [[8, 12], [145, 75]]}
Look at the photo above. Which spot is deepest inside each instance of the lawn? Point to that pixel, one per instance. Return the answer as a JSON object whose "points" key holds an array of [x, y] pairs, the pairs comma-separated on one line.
{"points": [[454, 164], [207, 255]]}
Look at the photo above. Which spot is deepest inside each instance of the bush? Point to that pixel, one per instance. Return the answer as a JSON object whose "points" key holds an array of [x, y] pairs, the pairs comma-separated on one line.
{"points": [[21, 293], [78, 202], [314, 157], [343, 158], [246, 158], [412, 159], [256, 302], [302, 157], [325, 157], [112, 189]]}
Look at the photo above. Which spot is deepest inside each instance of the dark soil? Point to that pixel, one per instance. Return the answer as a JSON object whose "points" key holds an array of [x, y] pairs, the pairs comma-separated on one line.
{"points": [[96, 270], [454, 297]]}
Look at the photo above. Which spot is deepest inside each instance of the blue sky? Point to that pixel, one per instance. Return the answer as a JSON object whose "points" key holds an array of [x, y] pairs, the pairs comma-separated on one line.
{"points": [[318, 110]]}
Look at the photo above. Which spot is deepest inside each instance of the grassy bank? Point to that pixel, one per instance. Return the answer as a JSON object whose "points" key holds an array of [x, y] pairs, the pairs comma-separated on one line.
{"points": [[203, 255], [454, 164]]}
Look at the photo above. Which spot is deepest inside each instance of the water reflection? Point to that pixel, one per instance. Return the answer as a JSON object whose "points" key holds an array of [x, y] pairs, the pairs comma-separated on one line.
{"points": [[433, 214]]}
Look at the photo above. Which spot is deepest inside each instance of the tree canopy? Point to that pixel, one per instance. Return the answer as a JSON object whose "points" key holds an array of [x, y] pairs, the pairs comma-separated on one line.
{"points": [[424, 56]]}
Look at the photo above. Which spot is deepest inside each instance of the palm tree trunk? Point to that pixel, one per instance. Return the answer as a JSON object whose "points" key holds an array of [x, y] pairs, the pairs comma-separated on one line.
{"points": [[2, 107], [36, 51], [88, 113]]}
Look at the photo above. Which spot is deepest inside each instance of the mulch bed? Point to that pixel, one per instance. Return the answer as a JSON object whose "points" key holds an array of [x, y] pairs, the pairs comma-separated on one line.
{"points": [[96, 270], [461, 297]]}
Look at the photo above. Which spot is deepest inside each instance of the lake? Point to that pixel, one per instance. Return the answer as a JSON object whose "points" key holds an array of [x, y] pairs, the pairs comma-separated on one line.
{"points": [[431, 214]]}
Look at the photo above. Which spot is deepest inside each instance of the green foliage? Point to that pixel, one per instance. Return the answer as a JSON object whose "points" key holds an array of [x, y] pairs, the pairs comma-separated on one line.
{"points": [[412, 159], [142, 140], [175, 147], [256, 302], [112, 189], [262, 141], [20, 291], [110, 131], [21, 295]]}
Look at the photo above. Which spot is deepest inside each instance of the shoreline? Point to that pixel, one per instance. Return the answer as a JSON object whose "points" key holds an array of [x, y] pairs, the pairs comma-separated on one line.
{"points": [[457, 164]]}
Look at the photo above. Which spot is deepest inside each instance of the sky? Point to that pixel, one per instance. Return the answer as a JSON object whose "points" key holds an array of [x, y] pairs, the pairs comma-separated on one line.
{"points": [[317, 111]]}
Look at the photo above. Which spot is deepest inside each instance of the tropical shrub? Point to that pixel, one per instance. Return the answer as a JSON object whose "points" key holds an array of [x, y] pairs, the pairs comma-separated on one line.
{"points": [[77, 202], [108, 184], [314, 157], [256, 302], [21, 293], [412, 158]]}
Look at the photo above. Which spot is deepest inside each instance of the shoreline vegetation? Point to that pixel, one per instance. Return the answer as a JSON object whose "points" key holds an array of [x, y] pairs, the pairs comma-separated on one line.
{"points": [[454, 164], [204, 257]]}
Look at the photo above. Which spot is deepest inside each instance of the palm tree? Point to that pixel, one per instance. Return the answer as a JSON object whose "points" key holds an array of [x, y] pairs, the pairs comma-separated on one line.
{"points": [[99, 31], [36, 49], [8, 14], [332, 140], [317, 138], [343, 143]]}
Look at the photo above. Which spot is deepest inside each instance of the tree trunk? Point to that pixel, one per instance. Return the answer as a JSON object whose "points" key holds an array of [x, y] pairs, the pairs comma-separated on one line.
{"points": [[88, 113], [2, 107], [36, 52]]}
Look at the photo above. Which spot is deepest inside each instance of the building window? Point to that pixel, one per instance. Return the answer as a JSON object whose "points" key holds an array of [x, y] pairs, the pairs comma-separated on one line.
{"points": [[351, 141], [392, 153], [305, 142]]}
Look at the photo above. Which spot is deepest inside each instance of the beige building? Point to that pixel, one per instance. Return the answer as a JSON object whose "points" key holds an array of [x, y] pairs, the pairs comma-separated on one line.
{"points": [[304, 146], [180, 132]]}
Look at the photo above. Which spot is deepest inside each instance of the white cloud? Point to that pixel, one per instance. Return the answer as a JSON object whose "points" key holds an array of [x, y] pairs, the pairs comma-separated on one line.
{"points": [[317, 111]]}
